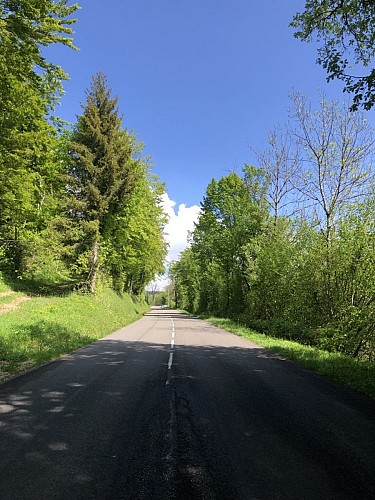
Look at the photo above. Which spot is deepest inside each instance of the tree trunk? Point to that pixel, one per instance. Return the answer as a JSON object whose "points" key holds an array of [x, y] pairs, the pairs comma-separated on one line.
{"points": [[94, 266], [358, 348]]}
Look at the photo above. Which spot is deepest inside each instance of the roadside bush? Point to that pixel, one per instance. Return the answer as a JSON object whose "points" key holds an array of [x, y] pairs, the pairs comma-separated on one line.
{"points": [[277, 327]]}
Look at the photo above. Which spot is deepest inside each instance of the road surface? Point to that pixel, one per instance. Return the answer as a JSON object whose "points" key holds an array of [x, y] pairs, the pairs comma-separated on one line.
{"points": [[173, 408]]}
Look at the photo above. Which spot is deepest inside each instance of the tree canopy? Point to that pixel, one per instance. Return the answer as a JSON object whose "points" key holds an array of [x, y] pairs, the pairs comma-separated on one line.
{"points": [[345, 31], [30, 86]]}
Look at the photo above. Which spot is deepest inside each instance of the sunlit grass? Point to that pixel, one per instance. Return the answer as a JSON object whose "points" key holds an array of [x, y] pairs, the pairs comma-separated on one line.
{"points": [[44, 328], [3, 286], [5, 299], [358, 374]]}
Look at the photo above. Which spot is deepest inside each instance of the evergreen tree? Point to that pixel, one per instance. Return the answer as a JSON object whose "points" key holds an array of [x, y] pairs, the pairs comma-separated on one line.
{"points": [[103, 173]]}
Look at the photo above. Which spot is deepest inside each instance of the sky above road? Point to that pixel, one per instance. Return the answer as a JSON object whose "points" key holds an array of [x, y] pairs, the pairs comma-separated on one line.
{"points": [[201, 82]]}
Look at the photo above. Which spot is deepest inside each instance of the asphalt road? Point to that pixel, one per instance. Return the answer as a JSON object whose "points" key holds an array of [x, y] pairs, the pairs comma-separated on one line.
{"points": [[173, 408]]}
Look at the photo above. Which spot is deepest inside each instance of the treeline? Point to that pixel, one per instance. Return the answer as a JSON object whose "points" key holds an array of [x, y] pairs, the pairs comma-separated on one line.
{"points": [[288, 248], [78, 204]]}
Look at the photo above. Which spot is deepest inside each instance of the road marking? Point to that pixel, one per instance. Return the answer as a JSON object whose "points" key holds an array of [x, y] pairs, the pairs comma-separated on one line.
{"points": [[170, 361]]}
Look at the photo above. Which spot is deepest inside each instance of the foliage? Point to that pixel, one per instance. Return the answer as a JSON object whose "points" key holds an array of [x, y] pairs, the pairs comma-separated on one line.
{"points": [[136, 247], [232, 212], [353, 326], [271, 259], [30, 86], [345, 29], [185, 274]]}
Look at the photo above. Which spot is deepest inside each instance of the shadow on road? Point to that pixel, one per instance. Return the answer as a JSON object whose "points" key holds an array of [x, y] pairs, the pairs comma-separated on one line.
{"points": [[232, 423], [171, 313]]}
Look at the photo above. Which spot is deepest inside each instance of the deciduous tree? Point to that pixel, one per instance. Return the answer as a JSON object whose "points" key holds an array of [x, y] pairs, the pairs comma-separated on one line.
{"points": [[345, 30], [337, 156], [30, 85], [232, 212], [281, 164]]}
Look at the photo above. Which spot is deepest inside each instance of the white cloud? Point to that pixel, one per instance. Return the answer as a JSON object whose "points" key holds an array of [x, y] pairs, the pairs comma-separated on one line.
{"points": [[181, 221]]}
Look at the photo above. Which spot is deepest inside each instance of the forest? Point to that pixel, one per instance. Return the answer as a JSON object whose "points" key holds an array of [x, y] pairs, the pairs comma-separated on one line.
{"points": [[79, 206], [288, 247]]}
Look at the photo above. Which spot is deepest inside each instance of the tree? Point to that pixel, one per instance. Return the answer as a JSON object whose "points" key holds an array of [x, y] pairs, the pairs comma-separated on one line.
{"points": [[233, 210], [281, 164], [352, 330], [338, 146], [135, 236], [103, 173], [345, 29], [29, 87], [185, 275]]}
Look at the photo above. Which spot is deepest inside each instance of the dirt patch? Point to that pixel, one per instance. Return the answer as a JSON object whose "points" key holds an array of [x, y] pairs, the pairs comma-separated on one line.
{"points": [[12, 306], [6, 294]]}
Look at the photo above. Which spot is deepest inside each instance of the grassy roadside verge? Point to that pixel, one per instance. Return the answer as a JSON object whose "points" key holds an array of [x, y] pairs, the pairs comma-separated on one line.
{"points": [[3, 286], [44, 328], [357, 374]]}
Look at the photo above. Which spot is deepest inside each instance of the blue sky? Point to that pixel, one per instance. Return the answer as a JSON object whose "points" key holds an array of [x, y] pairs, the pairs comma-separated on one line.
{"points": [[199, 81]]}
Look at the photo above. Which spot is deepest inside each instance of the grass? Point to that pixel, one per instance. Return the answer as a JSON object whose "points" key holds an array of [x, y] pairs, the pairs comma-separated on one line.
{"points": [[44, 328], [358, 374], [8, 298], [3, 286]]}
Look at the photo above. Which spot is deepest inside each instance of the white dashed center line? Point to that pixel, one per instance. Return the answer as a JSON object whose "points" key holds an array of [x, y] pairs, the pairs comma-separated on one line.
{"points": [[170, 361]]}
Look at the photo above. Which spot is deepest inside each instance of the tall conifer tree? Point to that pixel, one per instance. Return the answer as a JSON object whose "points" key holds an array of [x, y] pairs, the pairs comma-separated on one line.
{"points": [[103, 173]]}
